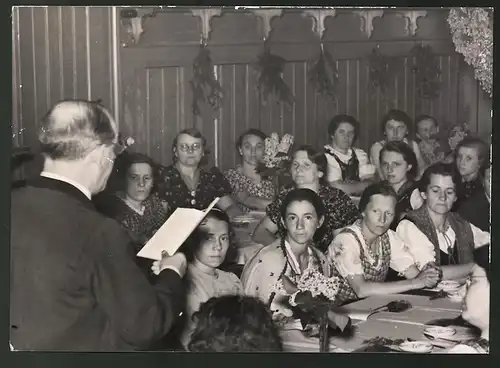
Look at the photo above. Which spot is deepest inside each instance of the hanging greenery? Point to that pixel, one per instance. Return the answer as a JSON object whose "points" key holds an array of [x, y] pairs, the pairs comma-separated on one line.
{"points": [[207, 92], [324, 75], [472, 32], [380, 70], [427, 71], [270, 81]]}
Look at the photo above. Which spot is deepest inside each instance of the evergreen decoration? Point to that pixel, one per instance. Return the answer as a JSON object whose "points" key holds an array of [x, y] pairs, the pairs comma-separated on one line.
{"points": [[426, 70], [324, 75]]}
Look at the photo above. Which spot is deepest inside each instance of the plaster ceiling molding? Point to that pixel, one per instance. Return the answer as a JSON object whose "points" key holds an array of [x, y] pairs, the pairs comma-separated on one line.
{"points": [[134, 21], [319, 16], [266, 15], [367, 17], [206, 15], [411, 17]]}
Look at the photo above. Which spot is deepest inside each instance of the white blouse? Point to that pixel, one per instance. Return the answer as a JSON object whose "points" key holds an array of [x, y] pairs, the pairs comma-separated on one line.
{"points": [[366, 170], [422, 248], [345, 254]]}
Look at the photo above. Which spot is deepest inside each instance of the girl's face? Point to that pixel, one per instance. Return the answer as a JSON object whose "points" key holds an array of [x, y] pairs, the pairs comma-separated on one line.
{"points": [[395, 130], [394, 167], [303, 170], [379, 213], [189, 150], [212, 251], [344, 136], [426, 129], [440, 194], [252, 149], [301, 221], [139, 181], [468, 162]]}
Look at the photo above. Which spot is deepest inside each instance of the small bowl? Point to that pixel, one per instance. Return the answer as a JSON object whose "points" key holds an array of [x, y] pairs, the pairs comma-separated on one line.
{"points": [[439, 331], [449, 285], [421, 347]]}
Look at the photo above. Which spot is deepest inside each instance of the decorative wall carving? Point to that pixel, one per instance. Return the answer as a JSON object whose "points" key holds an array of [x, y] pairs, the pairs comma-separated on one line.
{"points": [[411, 18], [266, 15], [367, 17], [319, 16]]}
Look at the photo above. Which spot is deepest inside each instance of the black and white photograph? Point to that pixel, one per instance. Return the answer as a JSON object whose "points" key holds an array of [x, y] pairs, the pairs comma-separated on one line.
{"points": [[251, 179]]}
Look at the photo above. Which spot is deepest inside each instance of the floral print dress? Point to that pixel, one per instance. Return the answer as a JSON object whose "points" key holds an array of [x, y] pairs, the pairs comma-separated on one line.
{"points": [[240, 183], [174, 191]]}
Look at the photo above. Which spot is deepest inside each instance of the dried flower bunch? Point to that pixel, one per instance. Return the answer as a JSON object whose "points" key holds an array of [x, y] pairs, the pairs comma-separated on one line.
{"points": [[427, 71], [472, 32], [206, 88], [324, 74], [270, 83]]}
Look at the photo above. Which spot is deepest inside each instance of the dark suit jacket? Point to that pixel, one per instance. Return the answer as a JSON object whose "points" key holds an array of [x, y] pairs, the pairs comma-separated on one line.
{"points": [[74, 281]]}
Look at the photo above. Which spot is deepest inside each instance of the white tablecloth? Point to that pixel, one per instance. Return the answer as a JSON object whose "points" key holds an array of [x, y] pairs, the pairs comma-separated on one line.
{"points": [[408, 324]]}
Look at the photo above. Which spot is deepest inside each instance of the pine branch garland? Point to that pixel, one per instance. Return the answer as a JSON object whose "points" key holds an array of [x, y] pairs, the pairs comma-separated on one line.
{"points": [[426, 70], [324, 75]]}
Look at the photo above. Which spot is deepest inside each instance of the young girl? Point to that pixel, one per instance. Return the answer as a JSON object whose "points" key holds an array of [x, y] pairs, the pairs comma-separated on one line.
{"points": [[206, 251], [430, 147]]}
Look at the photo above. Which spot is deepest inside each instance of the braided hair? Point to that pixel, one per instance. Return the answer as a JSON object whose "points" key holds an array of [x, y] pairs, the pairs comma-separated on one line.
{"points": [[296, 195]]}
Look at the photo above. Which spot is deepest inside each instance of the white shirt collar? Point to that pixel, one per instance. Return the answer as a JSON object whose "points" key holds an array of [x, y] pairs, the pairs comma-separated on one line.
{"points": [[338, 153], [78, 186]]}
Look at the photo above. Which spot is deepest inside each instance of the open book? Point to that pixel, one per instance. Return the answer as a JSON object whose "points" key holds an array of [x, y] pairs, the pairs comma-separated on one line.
{"points": [[174, 232]]}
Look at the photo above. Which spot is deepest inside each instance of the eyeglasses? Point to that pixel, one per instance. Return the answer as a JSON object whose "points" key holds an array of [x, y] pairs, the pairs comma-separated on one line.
{"points": [[187, 148]]}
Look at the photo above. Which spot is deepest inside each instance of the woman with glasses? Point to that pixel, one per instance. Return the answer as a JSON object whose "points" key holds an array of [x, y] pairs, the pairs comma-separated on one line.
{"points": [[186, 184], [436, 235]]}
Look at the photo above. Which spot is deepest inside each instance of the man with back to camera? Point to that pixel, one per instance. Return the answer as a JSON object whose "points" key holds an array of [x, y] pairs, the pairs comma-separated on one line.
{"points": [[74, 281]]}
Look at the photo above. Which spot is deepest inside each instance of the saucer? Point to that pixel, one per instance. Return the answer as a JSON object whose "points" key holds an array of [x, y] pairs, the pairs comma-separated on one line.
{"points": [[439, 332], [416, 346]]}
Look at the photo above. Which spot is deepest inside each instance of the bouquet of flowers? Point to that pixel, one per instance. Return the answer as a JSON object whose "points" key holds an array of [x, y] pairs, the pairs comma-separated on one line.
{"points": [[315, 294], [276, 157]]}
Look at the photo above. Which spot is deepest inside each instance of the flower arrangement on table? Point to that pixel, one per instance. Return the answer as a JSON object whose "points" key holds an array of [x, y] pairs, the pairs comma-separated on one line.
{"points": [[312, 298], [276, 160]]}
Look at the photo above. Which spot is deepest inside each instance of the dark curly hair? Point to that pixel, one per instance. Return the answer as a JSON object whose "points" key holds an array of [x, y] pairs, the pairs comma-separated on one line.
{"points": [[408, 155], [199, 235], [234, 323], [442, 169], [316, 157], [343, 118], [251, 131], [397, 115]]}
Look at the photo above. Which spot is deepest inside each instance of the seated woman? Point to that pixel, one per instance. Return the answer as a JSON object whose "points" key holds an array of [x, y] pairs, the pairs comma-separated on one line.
{"points": [[430, 147], [472, 160], [206, 251], [186, 184], [302, 212], [131, 200], [349, 168], [396, 126], [476, 306], [434, 233], [234, 323], [308, 170], [250, 190], [399, 168], [363, 252]]}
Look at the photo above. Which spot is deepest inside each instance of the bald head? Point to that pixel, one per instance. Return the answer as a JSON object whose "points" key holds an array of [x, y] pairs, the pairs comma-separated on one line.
{"points": [[73, 128]]}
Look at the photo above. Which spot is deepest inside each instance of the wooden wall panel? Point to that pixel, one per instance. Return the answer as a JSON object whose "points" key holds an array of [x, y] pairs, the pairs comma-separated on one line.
{"points": [[62, 52]]}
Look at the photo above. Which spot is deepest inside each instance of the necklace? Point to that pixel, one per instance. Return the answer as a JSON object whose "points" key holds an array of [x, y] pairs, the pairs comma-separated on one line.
{"points": [[191, 183], [375, 245]]}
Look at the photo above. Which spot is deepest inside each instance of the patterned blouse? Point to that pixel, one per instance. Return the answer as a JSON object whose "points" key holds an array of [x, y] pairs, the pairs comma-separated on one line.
{"points": [[340, 209], [240, 183], [431, 151], [175, 192]]}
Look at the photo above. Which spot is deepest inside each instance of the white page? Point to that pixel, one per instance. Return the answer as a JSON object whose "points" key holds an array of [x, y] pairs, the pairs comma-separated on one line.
{"points": [[174, 232]]}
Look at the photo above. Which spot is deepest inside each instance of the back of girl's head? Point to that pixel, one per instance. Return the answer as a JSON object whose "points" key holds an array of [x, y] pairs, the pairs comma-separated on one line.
{"points": [[439, 168], [234, 323], [200, 234], [408, 155], [381, 188], [396, 115], [246, 133], [343, 118], [303, 194], [482, 149], [316, 157]]}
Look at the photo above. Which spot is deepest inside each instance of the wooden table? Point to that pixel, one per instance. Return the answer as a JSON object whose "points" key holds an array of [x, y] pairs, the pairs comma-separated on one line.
{"points": [[408, 324]]}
